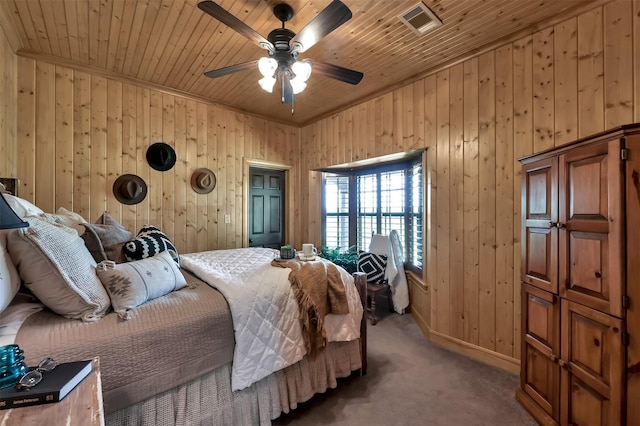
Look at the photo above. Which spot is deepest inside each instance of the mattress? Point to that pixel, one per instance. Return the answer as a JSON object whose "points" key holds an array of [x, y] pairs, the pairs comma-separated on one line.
{"points": [[168, 342]]}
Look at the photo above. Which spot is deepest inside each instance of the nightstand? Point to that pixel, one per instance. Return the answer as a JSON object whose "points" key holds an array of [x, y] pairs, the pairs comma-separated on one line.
{"points": [[83, 406]]}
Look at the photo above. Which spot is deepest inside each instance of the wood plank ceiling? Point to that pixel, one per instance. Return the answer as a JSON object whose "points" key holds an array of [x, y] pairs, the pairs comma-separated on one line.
{"points": [[172, 42]]}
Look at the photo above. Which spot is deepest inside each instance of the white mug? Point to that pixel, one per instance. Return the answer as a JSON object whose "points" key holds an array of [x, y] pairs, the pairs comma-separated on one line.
{"points": [[308, 250]]}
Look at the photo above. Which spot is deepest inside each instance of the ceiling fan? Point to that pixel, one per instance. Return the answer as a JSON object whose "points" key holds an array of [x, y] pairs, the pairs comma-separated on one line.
{"points": [[284, 46]]}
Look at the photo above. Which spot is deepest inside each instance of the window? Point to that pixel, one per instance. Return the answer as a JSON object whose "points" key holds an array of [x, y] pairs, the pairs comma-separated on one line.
{"points": [[375, 200], [337, 211]]}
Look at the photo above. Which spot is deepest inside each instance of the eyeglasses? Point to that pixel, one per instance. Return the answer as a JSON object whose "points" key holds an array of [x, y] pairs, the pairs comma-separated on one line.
{"points": [[33, 377]]}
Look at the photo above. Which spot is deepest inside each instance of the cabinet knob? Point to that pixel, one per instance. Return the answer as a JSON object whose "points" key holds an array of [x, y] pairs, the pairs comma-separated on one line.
{"points": [[560, 225], [562, 364], [553, 224], [553, 358]]}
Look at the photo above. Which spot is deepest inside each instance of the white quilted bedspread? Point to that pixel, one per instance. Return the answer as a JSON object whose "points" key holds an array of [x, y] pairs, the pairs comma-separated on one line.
{"points": [[265, 312]]}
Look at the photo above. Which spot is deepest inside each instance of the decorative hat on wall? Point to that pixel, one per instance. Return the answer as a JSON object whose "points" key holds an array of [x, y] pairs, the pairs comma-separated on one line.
{"points": [[203, 181], [129, 189], [161, 156]]}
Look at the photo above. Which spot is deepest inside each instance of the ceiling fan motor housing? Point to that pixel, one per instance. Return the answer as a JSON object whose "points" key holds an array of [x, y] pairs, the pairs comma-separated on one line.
{"points": [[280, 38]]}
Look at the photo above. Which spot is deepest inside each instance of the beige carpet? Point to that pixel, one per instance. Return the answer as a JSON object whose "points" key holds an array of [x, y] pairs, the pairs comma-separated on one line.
{"points": [[411, 381]]}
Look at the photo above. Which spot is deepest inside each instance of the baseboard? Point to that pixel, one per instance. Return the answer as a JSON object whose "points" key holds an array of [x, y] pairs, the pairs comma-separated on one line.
{"points": [[456, 345]]}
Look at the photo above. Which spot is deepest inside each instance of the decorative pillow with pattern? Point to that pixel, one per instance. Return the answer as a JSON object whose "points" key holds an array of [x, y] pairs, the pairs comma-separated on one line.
{"points": [[149, 242], [134, 283], [374, 265]]}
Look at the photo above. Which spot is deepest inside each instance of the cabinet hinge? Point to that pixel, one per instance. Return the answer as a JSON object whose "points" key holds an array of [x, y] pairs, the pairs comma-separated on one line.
{"points": [[625, 302], [625, 338], [624, 154]]}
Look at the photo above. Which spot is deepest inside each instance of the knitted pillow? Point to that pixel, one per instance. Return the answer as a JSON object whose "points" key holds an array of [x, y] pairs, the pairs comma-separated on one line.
{"points": [[149, 242], [374, 265], [58, 269]]}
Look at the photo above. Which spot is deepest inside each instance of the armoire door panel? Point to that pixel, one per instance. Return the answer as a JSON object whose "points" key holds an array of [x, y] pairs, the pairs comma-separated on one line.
{"points": [[590, 215], [541, 380], [584, 406], [539, 233], [592, 357], [540, 373], [541, 317]]}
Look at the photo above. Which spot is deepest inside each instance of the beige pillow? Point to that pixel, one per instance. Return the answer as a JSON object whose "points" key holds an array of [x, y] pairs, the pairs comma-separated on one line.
{"points": [[9, 278], [132, 284], [67, 218], [105, 239], [56, 266]]}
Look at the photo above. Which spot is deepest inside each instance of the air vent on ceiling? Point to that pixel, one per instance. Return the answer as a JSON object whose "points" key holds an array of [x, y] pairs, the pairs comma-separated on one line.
{"points": [[420, 19]]}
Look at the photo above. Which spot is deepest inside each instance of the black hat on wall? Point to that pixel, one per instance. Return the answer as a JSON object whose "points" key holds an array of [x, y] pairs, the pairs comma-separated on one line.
{"points": [[129, 189], [161, 156]]}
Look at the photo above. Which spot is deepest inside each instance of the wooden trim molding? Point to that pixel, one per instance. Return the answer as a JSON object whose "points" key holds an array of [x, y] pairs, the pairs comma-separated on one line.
{"points": [[63, 62], [467, 349], [247, 163]]}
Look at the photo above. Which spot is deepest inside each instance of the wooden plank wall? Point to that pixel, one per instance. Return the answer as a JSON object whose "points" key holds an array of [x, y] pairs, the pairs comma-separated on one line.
{"points": [[78, 132], [7, 109], [480, 116]]}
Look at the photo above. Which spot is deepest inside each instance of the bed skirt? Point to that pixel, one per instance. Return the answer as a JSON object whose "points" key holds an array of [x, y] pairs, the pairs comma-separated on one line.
{"points": [[209, 400]]}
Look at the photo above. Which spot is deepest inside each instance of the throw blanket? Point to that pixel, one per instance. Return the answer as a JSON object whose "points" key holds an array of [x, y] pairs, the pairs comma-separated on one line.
{"points": [[319, 291], [265, 313]]}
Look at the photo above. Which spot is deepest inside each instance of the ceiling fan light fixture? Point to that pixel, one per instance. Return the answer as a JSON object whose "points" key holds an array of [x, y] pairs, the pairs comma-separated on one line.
{"points": [[267, 84], [301, 70], [267, 66], [297, 86]]}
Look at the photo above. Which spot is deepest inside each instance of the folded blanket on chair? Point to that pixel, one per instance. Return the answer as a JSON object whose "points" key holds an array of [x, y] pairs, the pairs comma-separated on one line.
{"points": [[319, 291]]}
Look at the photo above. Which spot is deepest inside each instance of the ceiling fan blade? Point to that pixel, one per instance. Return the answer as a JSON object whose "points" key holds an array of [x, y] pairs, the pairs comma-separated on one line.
{"points": [[337, 72], [287, 90], [334, 15], [234, 23], [220, 72]]}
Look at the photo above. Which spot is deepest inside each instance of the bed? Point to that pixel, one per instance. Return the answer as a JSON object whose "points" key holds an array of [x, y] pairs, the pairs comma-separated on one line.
{"points": [[179, 358]]}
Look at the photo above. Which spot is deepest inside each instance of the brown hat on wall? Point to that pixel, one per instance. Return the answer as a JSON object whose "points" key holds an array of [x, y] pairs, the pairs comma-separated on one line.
{"points": [[161, 156], [129, 189], [203, 181]]}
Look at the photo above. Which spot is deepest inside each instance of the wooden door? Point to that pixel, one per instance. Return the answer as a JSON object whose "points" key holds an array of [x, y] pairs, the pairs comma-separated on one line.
{"points": [[266, 208], [540, 215], [592, 363], [590, 227], [539, 372]]}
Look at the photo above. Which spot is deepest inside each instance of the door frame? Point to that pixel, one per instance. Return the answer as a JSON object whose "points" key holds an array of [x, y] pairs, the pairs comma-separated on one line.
{"points": [[288, 205]]}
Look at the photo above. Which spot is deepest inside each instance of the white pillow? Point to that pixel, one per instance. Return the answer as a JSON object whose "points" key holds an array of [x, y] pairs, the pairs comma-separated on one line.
{"points": [[57, 267], [9, 278], [22, 207], [133, 283]]}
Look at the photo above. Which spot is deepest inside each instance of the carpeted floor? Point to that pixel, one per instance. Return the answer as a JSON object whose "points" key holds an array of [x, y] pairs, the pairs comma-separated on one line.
{"points": [[411, 381]]}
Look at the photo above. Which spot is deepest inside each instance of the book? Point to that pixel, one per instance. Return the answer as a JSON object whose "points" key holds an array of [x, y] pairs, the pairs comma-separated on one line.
{"points": [[54, 386]]}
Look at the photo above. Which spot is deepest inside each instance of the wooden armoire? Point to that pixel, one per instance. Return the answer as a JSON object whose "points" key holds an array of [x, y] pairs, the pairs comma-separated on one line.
{"points": [[581, 281]]}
